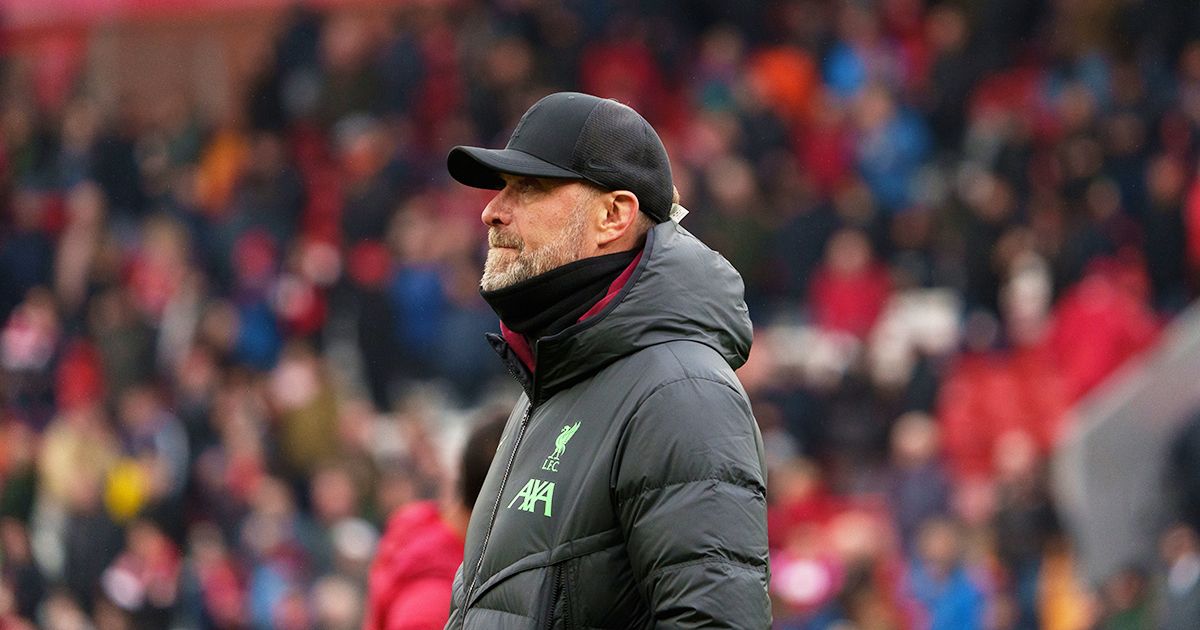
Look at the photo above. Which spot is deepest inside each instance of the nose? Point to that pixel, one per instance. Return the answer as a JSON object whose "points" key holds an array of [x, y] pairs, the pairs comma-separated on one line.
{"points": [[497, 211]]}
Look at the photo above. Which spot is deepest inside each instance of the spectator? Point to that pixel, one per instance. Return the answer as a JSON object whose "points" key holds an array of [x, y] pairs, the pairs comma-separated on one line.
{"points": [[939, 580], [1180, 589], [1024, 522], [280, 540], [1126, 600], [212, 584], [90, 540], [20, 574], [29, 344], [1164, 244], [953, 74], [920, 488], [423, 546], [156, 440], [307, 408], [143, 582], [848, 292], [891, 143]]}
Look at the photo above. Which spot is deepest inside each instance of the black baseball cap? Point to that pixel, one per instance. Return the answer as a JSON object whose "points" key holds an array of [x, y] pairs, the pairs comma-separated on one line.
{"points": [[568, 135]]}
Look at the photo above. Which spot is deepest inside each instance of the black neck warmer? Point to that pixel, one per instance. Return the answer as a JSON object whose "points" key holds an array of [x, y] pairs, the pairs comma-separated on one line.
{"points": [[548, 303]]}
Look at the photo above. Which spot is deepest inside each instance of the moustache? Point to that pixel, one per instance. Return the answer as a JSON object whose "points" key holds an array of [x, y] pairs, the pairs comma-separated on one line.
{"points": [[496, 238]]}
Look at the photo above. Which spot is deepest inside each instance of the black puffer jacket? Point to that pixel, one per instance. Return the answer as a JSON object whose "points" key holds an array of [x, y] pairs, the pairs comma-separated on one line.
{"points": [[631, 492]]}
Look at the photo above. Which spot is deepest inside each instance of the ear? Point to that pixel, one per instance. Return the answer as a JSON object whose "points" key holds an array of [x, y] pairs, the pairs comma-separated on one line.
{"points": [[620, 211]]}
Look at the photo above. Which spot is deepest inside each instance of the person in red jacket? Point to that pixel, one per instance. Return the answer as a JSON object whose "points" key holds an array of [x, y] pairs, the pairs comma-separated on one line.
{"points": [[411, 576]]}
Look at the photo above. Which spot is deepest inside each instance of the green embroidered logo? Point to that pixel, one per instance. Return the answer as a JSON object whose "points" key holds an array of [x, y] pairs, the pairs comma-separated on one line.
{"points": [[560, 445], [535, 491]]}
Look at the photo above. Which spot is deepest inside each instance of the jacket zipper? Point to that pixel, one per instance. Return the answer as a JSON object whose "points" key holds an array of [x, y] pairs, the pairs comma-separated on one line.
{"points": [[566, 602], [555, 596], [496, 508]]}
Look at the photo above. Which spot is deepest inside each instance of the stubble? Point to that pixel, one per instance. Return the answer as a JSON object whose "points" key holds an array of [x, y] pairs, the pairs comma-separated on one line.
{"points": [[509, 261]]}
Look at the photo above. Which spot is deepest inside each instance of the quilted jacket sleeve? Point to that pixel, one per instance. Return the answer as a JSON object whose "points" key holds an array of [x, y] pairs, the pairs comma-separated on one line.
{"points": [[691, 494]]}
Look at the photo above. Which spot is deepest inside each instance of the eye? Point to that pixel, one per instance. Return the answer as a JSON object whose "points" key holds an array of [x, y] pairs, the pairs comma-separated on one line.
{"points": [[525, 185], [528, 185]]}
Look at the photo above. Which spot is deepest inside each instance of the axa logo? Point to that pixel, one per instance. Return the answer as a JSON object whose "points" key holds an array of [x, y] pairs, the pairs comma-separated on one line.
{"points": [[560, 445], [534, 492]]}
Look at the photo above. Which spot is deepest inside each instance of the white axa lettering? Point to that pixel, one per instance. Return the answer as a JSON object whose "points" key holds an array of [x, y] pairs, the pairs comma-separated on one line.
{"points": [[535, 490]]}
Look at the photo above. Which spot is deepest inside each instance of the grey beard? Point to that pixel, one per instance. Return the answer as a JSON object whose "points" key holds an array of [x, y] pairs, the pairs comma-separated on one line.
{"points": [[499, 273]]}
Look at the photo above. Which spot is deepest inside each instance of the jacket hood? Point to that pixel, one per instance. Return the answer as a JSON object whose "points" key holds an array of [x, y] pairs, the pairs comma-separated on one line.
{"points": [[680, 290]]}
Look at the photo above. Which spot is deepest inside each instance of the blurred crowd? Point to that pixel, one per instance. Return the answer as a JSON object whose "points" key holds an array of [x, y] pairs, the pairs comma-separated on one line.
{"points": [[232, 346]]}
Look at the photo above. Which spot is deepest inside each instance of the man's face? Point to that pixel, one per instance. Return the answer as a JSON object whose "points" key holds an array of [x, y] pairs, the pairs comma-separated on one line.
{"points": [[535, 225]]}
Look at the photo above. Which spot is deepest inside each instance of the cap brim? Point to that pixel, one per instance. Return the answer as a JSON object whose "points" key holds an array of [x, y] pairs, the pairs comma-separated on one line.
{"points": [[481, 168]]}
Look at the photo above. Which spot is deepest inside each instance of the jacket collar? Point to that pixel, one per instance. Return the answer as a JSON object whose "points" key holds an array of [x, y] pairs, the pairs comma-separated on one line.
{"points": [[677, 289]]}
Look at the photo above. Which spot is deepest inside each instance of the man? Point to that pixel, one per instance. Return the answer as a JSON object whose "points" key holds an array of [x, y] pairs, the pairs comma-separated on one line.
{"points": [[629, 487], [409, 583]]}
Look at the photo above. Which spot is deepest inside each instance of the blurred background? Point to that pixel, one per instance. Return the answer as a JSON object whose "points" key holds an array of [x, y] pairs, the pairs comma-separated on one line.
{"points": [[241, 327]]}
